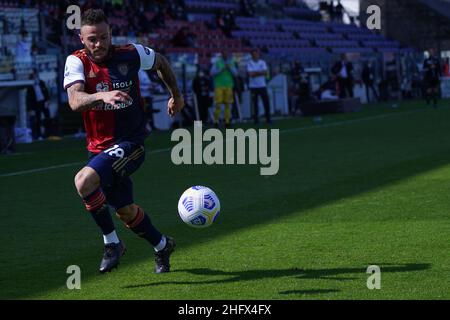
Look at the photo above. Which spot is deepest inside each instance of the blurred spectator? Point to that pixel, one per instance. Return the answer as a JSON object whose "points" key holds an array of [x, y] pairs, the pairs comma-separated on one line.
{"points": [[406, 88], [145, 86], [177, 10], [304, 89], [220, 23], [323, 5], [416, 86], [331, 11], [247, 8], [383, 89], [338, 12], [23, 48], [296, 70], [202, 86], [140, 23], [343, 70], [159, 20], [299, 87], [223, 71], [3, 24], [8, 112], [34, 49], [230, 20], [294, 86], [239, 88], [257, 71], [38, 102], [328, 90], [432, 77], [184, 38], [368, 78], [446, 67], [225, 21]]}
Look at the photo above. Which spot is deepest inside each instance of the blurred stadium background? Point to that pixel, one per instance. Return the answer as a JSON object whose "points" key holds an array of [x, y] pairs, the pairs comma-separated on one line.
{"points": [[300, 41]]}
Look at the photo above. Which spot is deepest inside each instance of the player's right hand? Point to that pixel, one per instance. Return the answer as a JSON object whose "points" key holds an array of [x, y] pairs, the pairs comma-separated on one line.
{"points": [[116, 97], [175, 105]]}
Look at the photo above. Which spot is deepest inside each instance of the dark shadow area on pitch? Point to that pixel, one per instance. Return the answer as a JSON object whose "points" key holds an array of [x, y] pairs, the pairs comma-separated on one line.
{"points": [[301, 199], [337, 274], [309, 292]]}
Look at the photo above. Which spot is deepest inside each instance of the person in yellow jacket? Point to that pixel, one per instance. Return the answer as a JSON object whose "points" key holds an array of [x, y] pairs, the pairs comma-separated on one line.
{"points": [[223, 71]]}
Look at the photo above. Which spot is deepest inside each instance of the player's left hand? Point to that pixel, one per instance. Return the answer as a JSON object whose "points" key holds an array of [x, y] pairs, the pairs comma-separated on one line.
{"points": [[175, 105]]}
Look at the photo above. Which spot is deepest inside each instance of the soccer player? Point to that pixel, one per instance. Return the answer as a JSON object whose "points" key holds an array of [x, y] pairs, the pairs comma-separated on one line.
{"points": [[432, 73], [102, 83]]}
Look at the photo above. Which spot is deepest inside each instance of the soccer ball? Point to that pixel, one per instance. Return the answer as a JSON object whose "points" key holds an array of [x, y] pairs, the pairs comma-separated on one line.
{"points": [[198, 207]]}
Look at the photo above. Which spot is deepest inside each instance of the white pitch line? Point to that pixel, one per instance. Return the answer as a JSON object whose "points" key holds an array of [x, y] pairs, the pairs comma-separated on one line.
{"points": [[16, 154], [18, 173], [338, 123], [344, 122]]}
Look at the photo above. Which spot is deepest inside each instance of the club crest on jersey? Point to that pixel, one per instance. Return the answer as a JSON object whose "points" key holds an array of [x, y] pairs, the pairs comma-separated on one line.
{"points": [[91, 74], [123, 69], [102, 87]]}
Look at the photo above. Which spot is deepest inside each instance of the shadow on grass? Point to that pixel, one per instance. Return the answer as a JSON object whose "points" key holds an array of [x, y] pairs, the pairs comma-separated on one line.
{"points": [[337, 274], [309, 292]]}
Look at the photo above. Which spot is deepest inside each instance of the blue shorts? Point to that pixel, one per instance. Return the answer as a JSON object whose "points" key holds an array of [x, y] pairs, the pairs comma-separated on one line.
{"points": [[114, 166]]}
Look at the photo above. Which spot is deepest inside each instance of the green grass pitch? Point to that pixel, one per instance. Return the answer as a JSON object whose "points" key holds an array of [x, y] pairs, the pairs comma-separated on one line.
{"points": [[369, 188]]}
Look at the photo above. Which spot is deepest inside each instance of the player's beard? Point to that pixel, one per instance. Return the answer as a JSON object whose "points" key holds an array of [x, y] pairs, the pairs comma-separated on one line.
{"points": [[100, 55]]}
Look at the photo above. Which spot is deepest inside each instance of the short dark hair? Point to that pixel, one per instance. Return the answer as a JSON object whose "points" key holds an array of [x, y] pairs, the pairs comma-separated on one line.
{"points": [[92, 17]]}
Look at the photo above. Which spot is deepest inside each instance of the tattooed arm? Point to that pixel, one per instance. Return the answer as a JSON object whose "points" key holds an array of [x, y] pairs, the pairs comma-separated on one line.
{"points": [[80, 101], [165, 73]]}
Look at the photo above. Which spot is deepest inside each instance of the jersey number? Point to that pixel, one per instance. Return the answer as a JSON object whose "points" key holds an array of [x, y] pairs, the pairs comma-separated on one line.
{"points": [[115, 151]]}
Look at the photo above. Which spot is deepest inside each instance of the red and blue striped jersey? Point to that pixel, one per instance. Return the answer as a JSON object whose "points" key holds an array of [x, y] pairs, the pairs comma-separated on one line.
{"points": [[105, 124]]}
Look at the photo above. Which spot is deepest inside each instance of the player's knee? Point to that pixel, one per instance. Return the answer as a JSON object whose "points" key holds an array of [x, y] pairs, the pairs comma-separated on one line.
{"points": [[81, 183], [127, 213], [86, 181]]}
